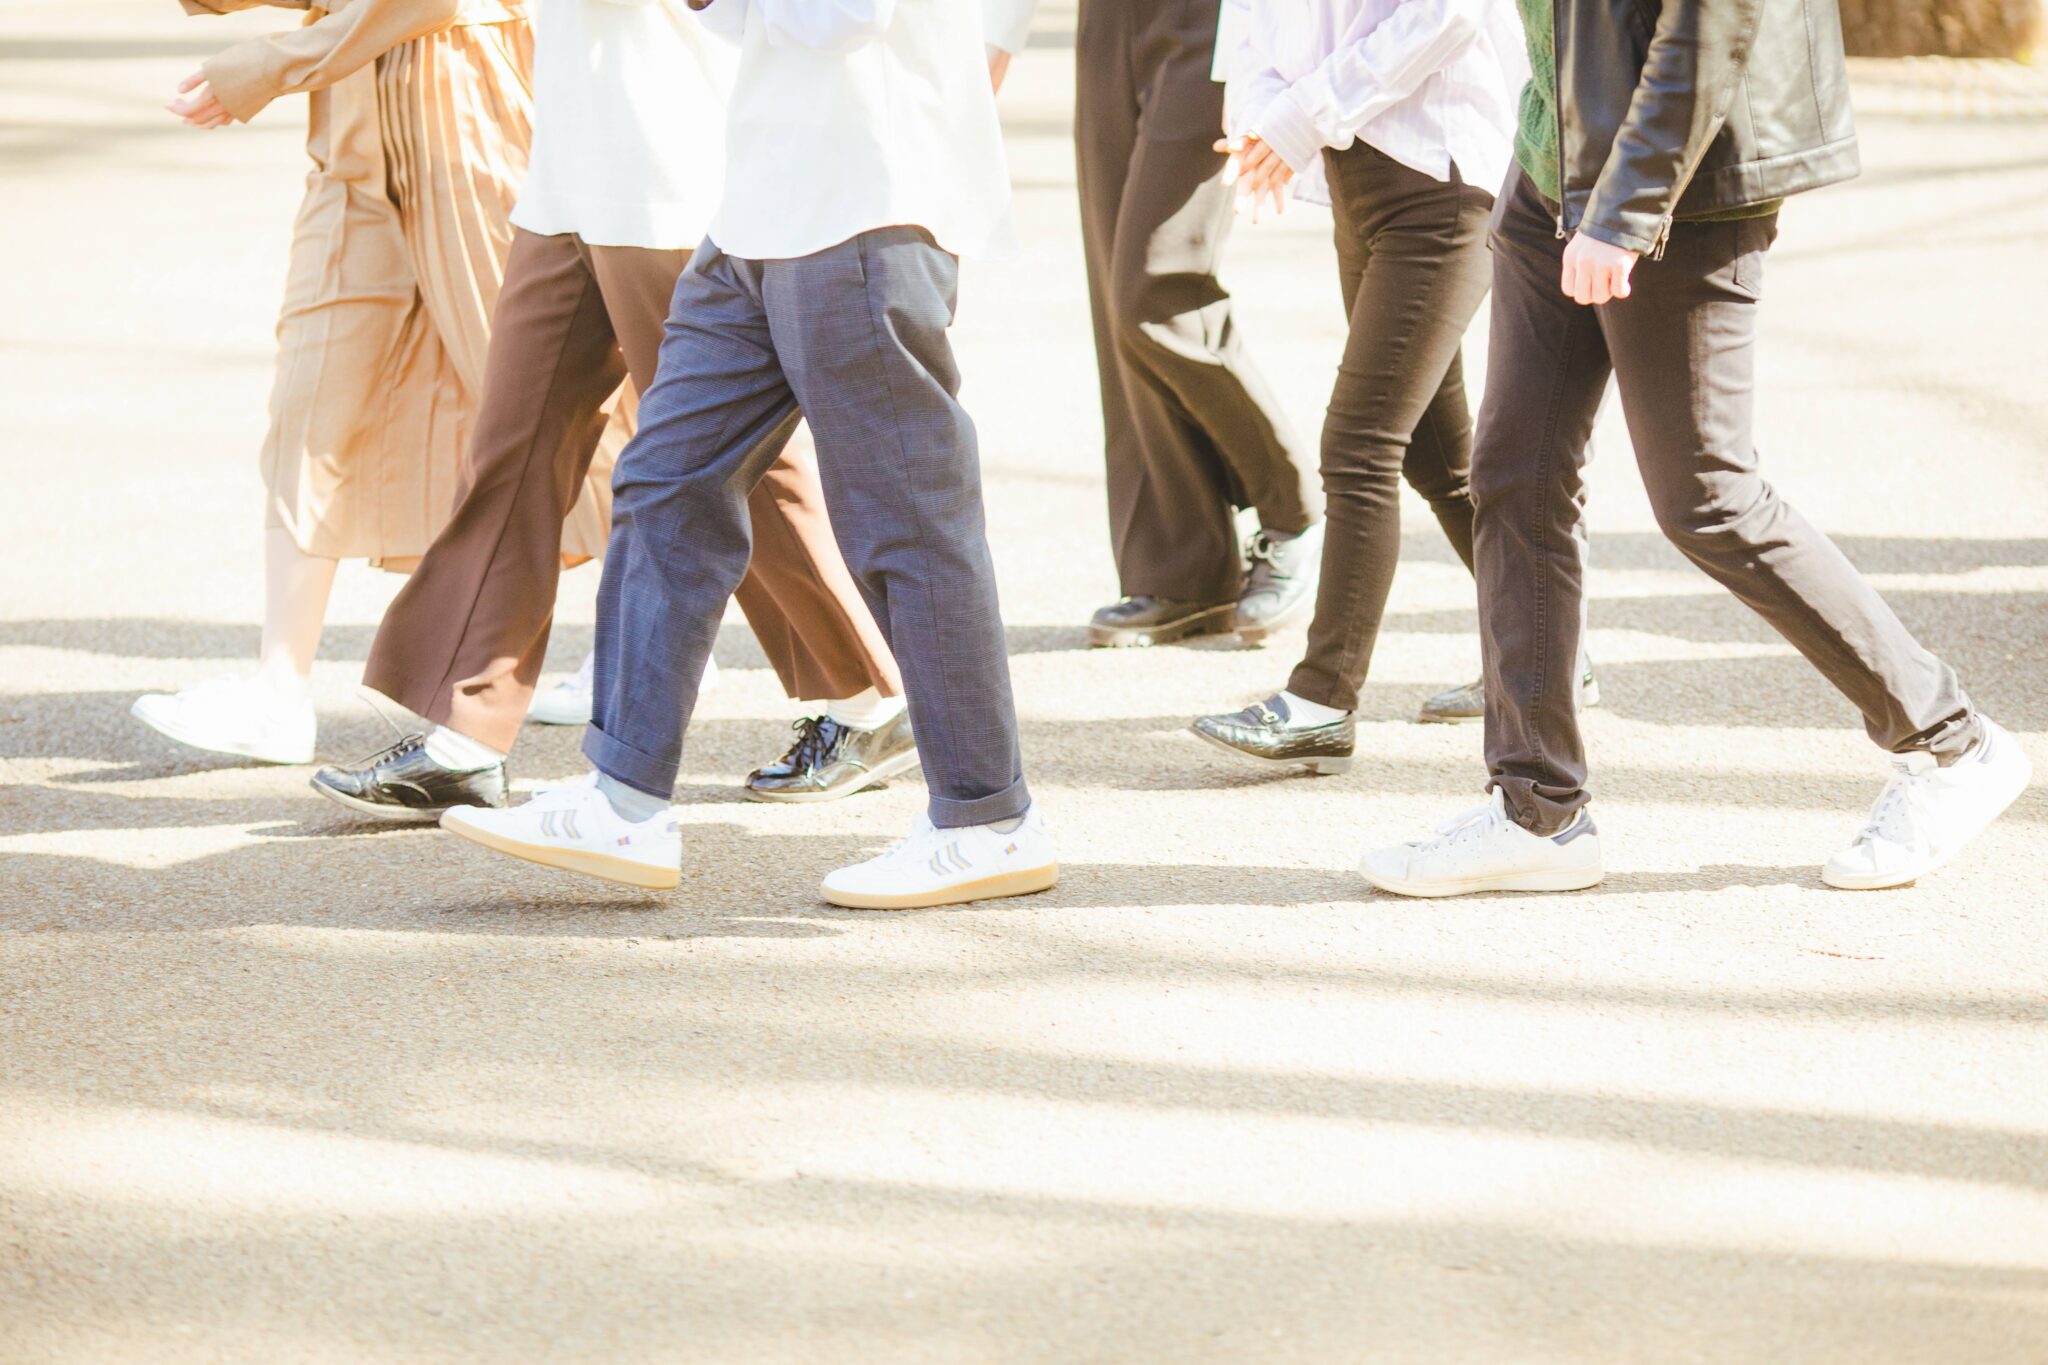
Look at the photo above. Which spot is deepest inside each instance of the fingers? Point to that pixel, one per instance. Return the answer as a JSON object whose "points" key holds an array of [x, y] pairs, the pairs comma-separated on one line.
{"points": [[191, 82], [203, 111], [1594, 273], [1619, 286], [1578, 282]]}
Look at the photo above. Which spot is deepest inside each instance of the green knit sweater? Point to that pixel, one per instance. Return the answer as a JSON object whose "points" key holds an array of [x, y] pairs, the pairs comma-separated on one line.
{"points": [[1536, 133]]}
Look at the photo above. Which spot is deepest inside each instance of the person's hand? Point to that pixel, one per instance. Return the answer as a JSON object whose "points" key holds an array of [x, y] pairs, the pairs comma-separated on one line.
{"points": [[198, 105], [1259, 173], [998, 67], [1595, 272]]}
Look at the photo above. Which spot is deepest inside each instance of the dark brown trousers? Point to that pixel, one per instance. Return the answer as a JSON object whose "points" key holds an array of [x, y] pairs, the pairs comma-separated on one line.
{"points": [[463, 642], [1191, 430]]}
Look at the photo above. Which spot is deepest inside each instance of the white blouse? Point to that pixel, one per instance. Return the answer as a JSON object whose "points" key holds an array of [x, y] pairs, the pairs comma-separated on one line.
{"points": [[629, 124], [1432, 83], [849, 115]]}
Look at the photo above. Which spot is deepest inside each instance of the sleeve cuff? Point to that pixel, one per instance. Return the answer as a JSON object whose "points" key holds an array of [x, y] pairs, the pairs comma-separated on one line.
{"points": [[1286, 127], [233, 85], [1620, 237], [1006, 24]]}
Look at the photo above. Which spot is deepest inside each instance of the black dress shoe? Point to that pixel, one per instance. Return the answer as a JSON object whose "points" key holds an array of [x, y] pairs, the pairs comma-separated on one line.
{"points": [[1157, 621], [403, 783], [830, 760], [1260, 733]]}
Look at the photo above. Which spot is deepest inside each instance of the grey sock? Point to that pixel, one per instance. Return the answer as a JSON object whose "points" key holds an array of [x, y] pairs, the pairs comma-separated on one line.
{"points": [[630, 803]]}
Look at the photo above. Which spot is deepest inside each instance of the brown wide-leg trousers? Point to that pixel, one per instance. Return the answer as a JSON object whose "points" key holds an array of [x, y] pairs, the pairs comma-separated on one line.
{"points": [[1191, 429], [463, 642]]}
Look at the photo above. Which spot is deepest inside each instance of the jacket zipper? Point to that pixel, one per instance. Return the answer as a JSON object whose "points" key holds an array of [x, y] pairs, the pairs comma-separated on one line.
{"points": [[1557, 112], [1664, 228]]}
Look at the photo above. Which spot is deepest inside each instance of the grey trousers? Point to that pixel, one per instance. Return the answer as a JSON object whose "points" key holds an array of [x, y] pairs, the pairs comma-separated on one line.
{"points": [[1191, 430], [854, 337], [1682, 347]]}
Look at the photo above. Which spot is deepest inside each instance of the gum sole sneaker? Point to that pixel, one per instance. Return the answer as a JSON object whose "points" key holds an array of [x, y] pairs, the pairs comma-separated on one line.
{"points": [[1483, 850], [575, 829], [1927, 813], [936, 867], [1140, 622], [235, 716], [1027, 882]]}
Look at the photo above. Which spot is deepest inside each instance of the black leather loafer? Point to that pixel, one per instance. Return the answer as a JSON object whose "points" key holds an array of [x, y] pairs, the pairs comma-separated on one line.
{"points": [[404, 784], [1138, 621], [1260, 733], [829, 761]]}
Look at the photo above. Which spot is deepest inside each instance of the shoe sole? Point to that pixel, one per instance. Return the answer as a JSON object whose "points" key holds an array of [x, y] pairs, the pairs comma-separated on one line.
{"points": [[1564, 879], [1850, 882], [1258, 635], [874, 777], [602, 866], [1211, 621], [172, 732], [393, 815], [1027, 882], [1321, 767]]}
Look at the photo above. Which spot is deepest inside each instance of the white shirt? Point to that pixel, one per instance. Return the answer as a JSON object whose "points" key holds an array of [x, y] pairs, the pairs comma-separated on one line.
{"points": [[849, 115], [1431, 83], [629, 124], [1007, 23]]}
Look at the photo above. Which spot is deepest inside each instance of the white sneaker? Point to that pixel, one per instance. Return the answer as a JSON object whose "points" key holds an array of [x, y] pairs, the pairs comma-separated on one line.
{"points": [[241, 716], [1926, 813], [570, 702], [567, 703], [951, 867], [1483, 850], [575, 829]]}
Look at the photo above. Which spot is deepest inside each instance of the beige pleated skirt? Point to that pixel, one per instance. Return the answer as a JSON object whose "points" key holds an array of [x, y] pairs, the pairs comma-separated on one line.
{"points": [[397, 258]]}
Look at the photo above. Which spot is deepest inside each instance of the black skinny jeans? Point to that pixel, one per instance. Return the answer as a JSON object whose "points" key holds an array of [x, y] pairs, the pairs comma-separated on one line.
{"points": [[1412, 258], [1682, 346]]}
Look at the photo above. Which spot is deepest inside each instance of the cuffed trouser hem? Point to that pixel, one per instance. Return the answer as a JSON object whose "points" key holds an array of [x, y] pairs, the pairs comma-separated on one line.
{"points": [[621, 762], [1007, 804], [1949, 740]]}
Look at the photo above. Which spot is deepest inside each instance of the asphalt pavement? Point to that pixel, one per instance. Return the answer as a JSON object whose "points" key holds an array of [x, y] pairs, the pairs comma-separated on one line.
{"points": [[276, 1087]]}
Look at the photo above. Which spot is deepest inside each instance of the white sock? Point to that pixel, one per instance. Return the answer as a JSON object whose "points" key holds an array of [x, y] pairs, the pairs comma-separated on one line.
{"points": [[1302, 713], [630, 803], [458, 753], [868, 711]]}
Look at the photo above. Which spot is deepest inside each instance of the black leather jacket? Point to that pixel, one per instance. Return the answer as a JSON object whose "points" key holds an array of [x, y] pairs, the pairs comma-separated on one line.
{"points": [[1691, 106]]}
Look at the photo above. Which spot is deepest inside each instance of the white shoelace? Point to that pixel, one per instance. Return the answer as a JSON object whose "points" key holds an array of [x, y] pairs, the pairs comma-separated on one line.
{"points": [[1462, 828], [1900, 813], [918, 847]]}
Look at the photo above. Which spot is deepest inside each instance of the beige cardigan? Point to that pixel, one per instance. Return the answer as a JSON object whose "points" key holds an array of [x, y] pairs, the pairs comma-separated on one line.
{"points": [[339, 39]]}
